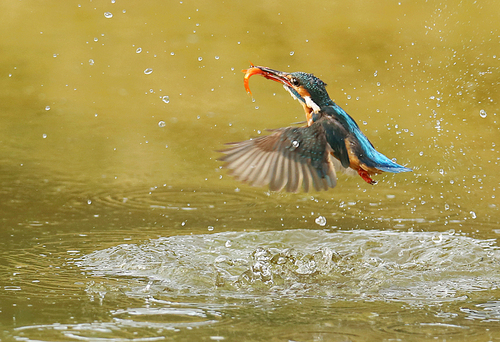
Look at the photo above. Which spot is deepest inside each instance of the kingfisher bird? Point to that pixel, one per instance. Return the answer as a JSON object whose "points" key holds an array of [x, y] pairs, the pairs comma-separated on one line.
{"points": [[309, 155]]}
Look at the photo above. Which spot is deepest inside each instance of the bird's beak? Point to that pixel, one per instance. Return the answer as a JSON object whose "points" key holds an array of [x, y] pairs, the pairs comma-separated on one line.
{"points": [[298, 92], [270, 74]]}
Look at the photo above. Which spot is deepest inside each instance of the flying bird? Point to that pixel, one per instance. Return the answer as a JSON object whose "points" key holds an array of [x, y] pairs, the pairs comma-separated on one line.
{"points": [[293, 157]]}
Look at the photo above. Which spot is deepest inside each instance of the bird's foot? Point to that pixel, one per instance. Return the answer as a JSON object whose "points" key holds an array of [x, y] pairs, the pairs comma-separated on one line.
{"points": [[366, 177]]}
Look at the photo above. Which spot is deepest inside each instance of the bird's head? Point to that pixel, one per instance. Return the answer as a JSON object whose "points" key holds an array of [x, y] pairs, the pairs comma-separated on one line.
{"points": [[306, 88]]}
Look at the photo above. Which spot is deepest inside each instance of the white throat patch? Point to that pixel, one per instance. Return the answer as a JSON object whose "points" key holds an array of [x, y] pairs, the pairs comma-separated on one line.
{"points": [[311, 104]]}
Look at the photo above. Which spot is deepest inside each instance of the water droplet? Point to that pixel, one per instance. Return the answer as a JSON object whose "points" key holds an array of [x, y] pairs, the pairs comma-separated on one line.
{"points": [[165, 99], [228, 243], [148, 71], [89, 202], [108, 15], [139, 50], [472, 214], [320, 220], [172, 53], [292, 53], [200, 59], [44, 136], [437, 238], [47, 107], [295, 144], [482, 113], [91, 61], [161, 124], [217, 57], [375, 73], [210, 228]]}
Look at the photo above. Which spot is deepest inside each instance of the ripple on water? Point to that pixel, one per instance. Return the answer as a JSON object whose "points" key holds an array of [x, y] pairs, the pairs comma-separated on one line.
{"points": [[421, 268], [167, 199], [108, 331]]}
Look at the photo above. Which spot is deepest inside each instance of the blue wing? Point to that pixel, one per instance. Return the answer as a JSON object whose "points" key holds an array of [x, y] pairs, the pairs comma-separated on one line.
{"points": [[363, 148]]}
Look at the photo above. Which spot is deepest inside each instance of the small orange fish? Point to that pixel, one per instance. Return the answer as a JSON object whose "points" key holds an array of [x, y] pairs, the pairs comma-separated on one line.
{"points": [[270, 74], [253, 70]]}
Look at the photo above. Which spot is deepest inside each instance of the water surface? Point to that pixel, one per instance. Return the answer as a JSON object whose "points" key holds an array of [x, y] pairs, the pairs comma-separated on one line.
{"points": [[117, 222]]}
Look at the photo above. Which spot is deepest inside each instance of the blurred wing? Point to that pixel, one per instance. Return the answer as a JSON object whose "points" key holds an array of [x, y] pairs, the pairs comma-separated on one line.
{"points": [[288, 158]]}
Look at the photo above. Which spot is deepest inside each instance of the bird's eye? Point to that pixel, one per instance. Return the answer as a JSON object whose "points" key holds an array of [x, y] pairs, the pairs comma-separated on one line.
{"points": [[295, 82]]}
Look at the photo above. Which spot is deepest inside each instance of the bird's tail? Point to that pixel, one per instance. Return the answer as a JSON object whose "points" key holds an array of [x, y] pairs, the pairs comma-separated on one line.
{"points": [[385, 164]]}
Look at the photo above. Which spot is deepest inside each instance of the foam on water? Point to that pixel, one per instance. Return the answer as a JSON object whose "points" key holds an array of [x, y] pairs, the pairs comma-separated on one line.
{"points": [[412, 267]]}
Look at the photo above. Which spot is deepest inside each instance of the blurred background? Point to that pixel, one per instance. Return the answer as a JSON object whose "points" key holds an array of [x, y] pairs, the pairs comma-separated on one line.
{"points": [[112, 112]]}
